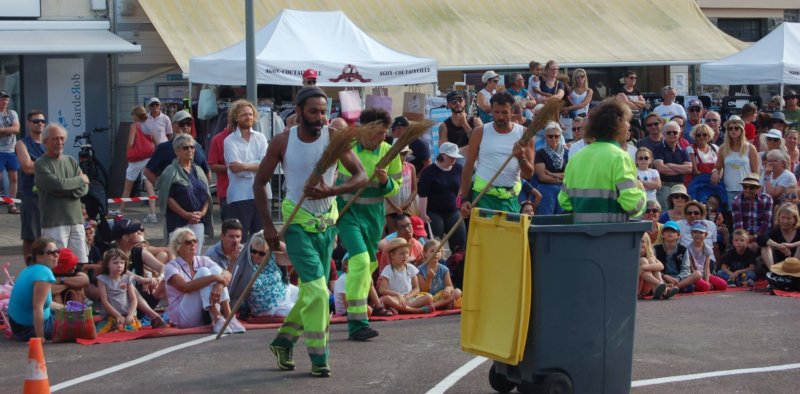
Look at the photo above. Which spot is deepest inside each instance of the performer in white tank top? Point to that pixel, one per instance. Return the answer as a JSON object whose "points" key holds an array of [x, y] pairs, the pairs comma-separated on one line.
{"points": [[297, 167]]}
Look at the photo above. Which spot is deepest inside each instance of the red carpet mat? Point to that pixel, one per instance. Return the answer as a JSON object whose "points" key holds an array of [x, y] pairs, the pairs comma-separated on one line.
{"points": [[783, 293], [759, 285]]}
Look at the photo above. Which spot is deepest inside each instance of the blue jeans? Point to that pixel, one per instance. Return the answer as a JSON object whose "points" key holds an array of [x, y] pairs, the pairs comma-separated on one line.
{"points": [[549, 204], [744, 277]]}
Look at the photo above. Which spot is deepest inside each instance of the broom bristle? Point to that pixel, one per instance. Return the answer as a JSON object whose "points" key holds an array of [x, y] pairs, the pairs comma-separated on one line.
{"points": [[550, 112], [414, 131], [340, 143]]}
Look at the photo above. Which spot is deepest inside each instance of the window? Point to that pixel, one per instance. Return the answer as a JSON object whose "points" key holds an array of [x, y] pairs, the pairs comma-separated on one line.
{"points": [[10, 81], [744, 29]]}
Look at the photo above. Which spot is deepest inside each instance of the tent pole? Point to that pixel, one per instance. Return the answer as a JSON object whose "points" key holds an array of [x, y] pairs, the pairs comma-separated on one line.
{"points": [[780, 102], [250, 49]]}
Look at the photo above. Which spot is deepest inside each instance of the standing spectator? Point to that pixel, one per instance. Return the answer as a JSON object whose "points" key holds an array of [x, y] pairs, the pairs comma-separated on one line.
{"points": [[9, 128], [158, 125], [671, 161], [736, 158], [226, 251], [778, 121], [216, 162], [712, 120], [490, 79], [438, 191], [184, 194], [535, 81], [244, 149], [631, 97], [702, 153], [695, 112], [458, 127], [792, 110], [30, 148], [580, 96], [646, 173], [405, 201], [135, 167], [791, 140], [777, 177], [549, 164], [165, 154], [752, 210], [61, 184], [668, 107], [653, 124], [748, 115], [550, 86], [419, 149]]}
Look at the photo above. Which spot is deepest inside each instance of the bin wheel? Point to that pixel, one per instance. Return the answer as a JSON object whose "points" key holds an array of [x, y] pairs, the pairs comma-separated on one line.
{"points": [[499, 382], [556, 383]]}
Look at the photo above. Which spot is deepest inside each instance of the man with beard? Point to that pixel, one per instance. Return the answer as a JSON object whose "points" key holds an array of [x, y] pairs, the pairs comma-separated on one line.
{"points": [[458, 127], [489, 146], [311, 236]]}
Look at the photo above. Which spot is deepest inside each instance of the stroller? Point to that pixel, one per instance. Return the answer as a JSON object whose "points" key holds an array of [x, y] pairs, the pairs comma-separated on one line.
{"points": [[5, 296]]}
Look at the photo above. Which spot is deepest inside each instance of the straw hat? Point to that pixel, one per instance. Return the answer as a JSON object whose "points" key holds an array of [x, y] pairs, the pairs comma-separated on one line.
{"points": [[395, 244], [734, 119], [751, 179], [790, 266], [678, 189]]}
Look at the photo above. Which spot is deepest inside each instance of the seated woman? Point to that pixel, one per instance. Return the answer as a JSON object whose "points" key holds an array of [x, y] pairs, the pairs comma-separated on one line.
{"points": [[398, 284], [30, 304], [652, 211], [784, 238], [195, 285], [434, 278], [270, 295]]}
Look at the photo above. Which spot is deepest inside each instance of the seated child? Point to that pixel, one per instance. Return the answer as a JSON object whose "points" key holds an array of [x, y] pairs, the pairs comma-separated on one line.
{"points": [[398, 284], [698, 255], [434, 278], [118, 299], [340, 296], [650, 279], [738, 265], [70, 282], [671, 254]]}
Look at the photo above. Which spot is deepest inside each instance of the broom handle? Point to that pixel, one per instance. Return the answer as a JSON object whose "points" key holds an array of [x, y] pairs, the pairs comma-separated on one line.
{"points": [[260, 269], [477, 198]]}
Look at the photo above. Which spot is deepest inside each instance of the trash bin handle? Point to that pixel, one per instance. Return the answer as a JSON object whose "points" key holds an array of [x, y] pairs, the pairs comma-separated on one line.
{"points": [[500, 215]]}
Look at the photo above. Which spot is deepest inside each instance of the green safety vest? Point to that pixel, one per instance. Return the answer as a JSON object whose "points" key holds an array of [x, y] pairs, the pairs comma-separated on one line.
{"points": [[600, 185], [503, 193], [374, 193]]}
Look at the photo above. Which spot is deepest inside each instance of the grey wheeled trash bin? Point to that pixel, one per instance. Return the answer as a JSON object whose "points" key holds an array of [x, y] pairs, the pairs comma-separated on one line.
{"points": [[580, 336]]}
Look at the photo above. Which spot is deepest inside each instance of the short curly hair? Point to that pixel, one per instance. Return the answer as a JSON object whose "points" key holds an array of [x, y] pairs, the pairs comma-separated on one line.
{"points": [[608, 120], [236, 109]]}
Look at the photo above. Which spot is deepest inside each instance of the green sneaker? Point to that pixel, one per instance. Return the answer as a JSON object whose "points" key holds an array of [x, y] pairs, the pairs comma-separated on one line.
{"points": [[320, 371], [284, 356]]}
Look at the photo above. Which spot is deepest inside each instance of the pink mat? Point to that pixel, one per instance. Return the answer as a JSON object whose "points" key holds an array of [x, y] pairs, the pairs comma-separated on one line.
{"points": [[784, 293]]}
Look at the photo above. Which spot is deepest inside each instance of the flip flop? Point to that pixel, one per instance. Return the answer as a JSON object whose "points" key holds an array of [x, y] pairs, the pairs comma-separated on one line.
{"points": [[671, 292], [658, 293]]}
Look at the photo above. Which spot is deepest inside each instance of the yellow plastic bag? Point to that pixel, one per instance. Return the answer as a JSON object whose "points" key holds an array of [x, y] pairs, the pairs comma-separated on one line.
{"points": [[496, 304]]}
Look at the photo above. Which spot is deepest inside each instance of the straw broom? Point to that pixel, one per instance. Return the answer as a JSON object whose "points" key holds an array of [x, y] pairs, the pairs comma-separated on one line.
{"points": [[414, 131], [550, 112], [340, 143]]}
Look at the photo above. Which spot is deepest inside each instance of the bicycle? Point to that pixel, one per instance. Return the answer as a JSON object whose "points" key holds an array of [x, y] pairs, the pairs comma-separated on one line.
{"points": [[95, 201]]}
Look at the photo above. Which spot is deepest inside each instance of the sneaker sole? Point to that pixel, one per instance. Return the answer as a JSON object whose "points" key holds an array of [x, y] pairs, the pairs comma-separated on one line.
{"points": [[364, 338], [289, 367], [321, 374]]}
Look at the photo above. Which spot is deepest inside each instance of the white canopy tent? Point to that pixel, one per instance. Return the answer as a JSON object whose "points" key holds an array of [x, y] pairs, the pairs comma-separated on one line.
{"points": [[775, 59], [328, 42]]}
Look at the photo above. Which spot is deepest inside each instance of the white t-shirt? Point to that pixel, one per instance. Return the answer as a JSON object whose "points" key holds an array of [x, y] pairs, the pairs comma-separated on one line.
{"points": [[240, 184], [668, 111], [160, 127], [707, 157], [576, 147], [338, 291], [400, 281], [785, 179], [533, 83], [649, 174]]}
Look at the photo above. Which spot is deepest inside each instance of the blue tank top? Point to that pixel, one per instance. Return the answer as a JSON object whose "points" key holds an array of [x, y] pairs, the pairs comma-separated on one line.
{"points": [[35, 150]]}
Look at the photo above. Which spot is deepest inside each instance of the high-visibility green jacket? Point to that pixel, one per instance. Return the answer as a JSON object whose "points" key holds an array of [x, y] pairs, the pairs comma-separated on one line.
{"points": [[374, 192], [600, 185]]}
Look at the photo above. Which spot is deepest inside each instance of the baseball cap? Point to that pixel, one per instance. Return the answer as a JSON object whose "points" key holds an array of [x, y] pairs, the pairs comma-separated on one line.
{"points": [[3, 93], [419, 226], [400, 121], [454, 94], [699, 226], [153, 100], [695, 103], [671, 225], [181, 115], [125, 227], [450, 149], [310, 73], [489, 75]]}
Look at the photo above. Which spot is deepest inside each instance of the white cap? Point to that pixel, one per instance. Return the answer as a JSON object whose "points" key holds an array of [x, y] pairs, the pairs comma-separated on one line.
{"points": [[773, 133], [153, 100], [489, 75], [181, 115], [450, 149]]}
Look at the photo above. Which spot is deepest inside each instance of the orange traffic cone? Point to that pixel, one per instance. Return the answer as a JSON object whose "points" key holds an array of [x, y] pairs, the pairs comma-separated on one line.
{"points": [[36, 381]]}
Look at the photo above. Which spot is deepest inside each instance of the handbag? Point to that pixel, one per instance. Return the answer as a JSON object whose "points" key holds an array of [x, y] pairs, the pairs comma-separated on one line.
{"points": [[142, 147], [69, 325], [207, 104], [379, 100], [414, 106], [351, 105]]}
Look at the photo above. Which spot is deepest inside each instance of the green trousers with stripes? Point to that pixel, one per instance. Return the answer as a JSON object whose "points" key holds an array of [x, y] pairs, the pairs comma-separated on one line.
{"points": [[360, 230], [310, 254]]}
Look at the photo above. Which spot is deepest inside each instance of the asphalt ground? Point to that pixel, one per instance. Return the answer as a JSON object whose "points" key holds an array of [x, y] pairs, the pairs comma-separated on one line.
{"points": [[683, 336]]}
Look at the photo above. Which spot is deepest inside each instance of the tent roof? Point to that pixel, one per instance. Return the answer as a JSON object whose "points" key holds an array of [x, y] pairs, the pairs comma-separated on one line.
{"points": [[329, 42], [773, 59], [475, 34]]}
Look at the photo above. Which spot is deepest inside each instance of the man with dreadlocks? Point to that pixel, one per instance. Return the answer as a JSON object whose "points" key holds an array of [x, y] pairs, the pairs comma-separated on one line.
{"points": [[310, 236], [360, 228]]}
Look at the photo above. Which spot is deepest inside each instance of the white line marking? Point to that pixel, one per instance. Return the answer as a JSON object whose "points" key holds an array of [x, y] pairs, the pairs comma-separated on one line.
{"points": [[704, 375], [140, 360], [454, 377]]}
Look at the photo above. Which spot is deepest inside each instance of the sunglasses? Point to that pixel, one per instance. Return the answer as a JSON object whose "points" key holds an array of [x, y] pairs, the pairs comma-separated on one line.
{"points": [[653, 124], [580, 76], [258, 252], [633, 77], [188, 147], [733, 128], [185, 123], [692, 213], [695, 109], [671, 132], [189, 242], [751, 187], [712, 120], [494, 80], [773, 139], [681, 196], [642, 158], [790, 195], [553, 136], [652, 210], [38, 121], [698, 135], [577, 128], [155, 105], [52, 252]]}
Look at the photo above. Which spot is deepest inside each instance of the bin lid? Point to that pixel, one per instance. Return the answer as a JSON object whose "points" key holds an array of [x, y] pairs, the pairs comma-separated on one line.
{"points": [[563, 224]]}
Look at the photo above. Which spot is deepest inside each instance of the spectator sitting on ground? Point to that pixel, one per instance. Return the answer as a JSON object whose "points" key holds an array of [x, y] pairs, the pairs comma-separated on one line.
{"points": [[229, 246], [117, 295], [670, 253], [738, 265], [650, 280], [752, 210], [783, 239], [270, 295], [434, 278], [652, 211], [695, 212], [69, 282], [699, 257], [196, 285], [398, 284], [677, 198], [374, 307], [405, 230]]}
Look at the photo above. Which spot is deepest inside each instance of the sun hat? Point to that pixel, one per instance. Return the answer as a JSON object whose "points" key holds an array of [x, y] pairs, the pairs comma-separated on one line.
{"points": [[778, 117], [678, 189], [671, 225], [734, 119], [450, 149], [751, 179], [419, 226], [489, 75], [395, 244], [773, 133], [790, 266]]}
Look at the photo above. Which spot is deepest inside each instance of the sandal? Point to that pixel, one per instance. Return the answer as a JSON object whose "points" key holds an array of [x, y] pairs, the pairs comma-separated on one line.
{"points": [[12, 209], [381, 311]]}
